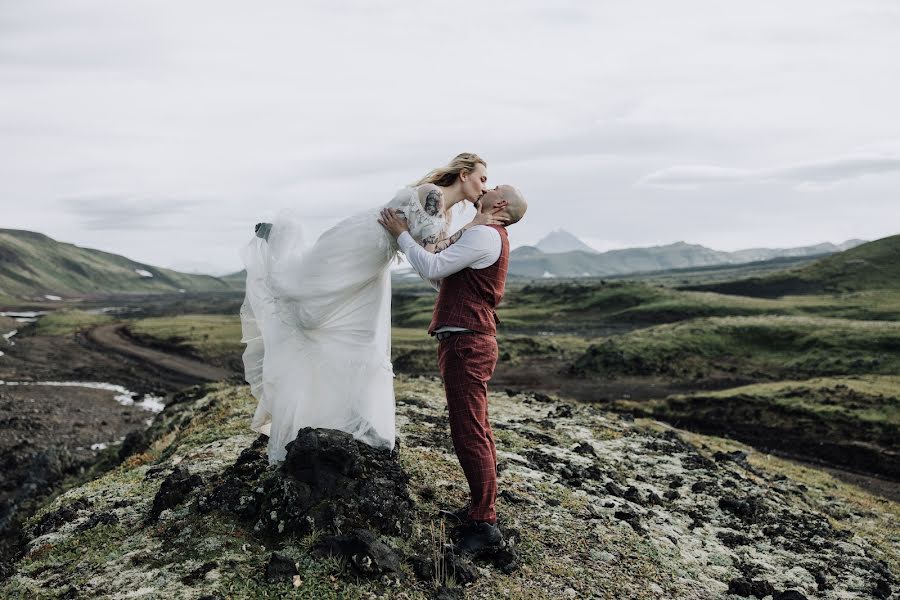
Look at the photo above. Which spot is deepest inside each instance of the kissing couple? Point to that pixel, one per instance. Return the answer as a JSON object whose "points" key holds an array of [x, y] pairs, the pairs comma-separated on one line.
{"points": [[316, 321]]}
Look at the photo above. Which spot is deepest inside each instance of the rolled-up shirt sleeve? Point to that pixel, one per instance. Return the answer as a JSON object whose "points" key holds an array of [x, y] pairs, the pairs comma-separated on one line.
{"points": [[478, 247]]}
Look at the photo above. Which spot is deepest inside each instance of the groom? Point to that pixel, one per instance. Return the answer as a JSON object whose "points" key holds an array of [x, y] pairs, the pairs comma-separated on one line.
{"points": [[471, 276]]}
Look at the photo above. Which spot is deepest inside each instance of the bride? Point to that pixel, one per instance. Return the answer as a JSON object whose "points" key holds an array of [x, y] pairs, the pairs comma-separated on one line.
{"points": [[316, 320]]}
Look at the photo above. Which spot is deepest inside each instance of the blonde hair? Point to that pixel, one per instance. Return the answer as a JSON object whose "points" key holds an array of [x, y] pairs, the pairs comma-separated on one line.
{"points": [[446, 176]]}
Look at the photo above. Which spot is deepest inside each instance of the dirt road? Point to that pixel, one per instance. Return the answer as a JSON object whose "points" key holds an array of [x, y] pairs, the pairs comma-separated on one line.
{"points": [[111, 338]]}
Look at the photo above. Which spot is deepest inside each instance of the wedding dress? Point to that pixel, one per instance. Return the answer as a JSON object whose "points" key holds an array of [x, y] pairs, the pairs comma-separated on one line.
{"points": [[316, 321]]}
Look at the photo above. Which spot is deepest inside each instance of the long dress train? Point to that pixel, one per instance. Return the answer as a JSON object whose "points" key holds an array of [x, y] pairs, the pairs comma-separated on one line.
{"points": [[316, 324]]}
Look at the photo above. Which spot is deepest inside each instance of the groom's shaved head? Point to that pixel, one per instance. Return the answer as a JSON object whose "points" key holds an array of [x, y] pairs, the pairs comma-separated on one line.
{"points": [[517, 204]]}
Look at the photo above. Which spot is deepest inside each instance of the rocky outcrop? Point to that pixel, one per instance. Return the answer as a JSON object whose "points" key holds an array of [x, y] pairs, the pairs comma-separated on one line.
{"points": [[592, 505], [328, 481]]}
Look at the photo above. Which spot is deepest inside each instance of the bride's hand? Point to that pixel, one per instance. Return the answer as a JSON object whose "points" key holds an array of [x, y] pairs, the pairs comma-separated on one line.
{"points": [[490, 217]]}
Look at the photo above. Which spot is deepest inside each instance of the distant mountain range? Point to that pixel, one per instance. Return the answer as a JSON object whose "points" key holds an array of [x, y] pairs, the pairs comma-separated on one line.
{"points": [[35, 266], [873, 265], [549, 257], [561, 241]]}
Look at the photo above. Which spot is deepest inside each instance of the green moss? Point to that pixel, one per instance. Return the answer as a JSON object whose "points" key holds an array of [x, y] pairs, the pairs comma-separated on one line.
{"points": [[208, 336], [68, 322], [745, 346]]}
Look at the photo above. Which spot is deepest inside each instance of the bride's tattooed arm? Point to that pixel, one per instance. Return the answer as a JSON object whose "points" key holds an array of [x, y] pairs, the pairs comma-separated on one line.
{"points": [[434, 202], [445, 242]]}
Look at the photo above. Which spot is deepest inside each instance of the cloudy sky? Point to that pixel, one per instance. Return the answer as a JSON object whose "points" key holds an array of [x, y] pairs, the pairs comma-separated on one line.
{"points": [[164, 130]]}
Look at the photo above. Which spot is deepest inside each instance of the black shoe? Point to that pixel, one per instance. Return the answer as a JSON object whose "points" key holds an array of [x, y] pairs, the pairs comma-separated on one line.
{"points": [[478, 536], [262, 230], [460, 515]]}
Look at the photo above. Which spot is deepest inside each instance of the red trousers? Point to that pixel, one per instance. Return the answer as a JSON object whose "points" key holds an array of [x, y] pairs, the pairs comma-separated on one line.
{"points": [[467, 361]]}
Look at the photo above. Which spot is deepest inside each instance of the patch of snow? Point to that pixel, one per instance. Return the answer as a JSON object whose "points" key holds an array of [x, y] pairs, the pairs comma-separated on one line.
{"points": [[181, 291], [1, 353], [99, 446], [23, 317], [548, 275], [123, 396], [8, 337], [143, 273], [52, 297]]}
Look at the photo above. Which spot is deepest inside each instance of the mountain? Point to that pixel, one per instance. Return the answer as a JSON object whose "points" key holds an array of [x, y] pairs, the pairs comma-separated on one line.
{"points": [[530, 261], [757, 254], [560, 241], [873, 265], [33, 265]]}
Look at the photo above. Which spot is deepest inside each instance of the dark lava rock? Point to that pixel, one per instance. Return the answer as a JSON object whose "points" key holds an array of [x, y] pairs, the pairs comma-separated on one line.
{"points": [[452, 566], [367, 554], [739, 587], [672, 495], [238, 491], [460, 568], [448, 593], [280, 568], [98, 519], [513, 498], [632, 519], [585, 449], [676, 482], [561, 411], [738, 456], [64, 514], [328, 481], [748, 511], [789, 595], [173, 491], [733, 539], [632, 494], [654, 499], [821, 581], [882, 589], [614, 488], [700, 486], [695, 462], [761, 588], [135, 442], [199, 573]]}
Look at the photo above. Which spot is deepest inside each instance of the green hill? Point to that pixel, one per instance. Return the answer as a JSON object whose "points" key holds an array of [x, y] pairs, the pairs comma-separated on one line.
{"points": [[874, 265], [34, 265]]}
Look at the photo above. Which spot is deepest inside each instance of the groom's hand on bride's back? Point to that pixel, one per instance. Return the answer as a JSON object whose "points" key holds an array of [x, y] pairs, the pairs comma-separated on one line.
{"points": [[391, 220]]}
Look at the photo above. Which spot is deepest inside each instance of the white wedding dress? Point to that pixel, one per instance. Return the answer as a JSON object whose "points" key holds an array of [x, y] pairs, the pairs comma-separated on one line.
{"points": [[317, 324]]}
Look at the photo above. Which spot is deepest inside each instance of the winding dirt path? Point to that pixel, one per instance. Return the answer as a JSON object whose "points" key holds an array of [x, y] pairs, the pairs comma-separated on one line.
{"points": [[111, 338]]}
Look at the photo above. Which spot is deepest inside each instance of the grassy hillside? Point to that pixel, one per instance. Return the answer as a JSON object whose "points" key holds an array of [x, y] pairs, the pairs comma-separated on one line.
{"points": [[874, 265], [33, 265], [758, 348], [849, 421]]}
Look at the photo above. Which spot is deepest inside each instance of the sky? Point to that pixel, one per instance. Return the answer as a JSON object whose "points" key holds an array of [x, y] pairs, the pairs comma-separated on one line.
{"points": [[163, 131]]}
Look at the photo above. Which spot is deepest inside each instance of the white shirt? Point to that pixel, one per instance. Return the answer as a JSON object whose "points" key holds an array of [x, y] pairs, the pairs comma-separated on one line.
{"points": [[478, 247]]}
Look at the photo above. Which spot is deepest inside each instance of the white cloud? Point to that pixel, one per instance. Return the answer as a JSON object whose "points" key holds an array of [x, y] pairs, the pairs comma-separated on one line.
{"points": [[177, 126], [819, 173]]}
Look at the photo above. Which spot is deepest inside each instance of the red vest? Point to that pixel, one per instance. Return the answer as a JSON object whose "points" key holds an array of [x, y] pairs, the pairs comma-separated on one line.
{"points": [[468, 298]]}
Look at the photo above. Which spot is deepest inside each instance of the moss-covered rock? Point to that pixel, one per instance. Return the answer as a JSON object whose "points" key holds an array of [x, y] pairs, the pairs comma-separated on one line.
{"points": [[593, 504]]}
